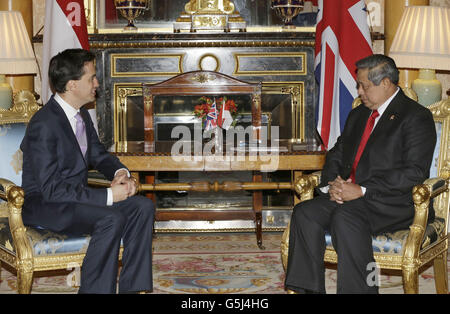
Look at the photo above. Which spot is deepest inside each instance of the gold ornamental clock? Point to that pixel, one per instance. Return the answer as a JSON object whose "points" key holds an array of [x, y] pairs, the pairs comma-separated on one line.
{"points": [[209, 15]]}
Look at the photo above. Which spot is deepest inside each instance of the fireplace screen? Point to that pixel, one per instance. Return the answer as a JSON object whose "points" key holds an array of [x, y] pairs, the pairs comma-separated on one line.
{"points": [[282, 106]]}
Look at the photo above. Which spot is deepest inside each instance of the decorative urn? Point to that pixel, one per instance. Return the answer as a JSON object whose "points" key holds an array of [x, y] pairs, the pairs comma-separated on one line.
{"points": [[287, 10], [131, 9]]}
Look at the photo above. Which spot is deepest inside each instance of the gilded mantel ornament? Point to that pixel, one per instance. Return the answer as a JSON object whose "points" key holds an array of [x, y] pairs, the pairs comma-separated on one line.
{"points": [[209, 15], [22, 110]]}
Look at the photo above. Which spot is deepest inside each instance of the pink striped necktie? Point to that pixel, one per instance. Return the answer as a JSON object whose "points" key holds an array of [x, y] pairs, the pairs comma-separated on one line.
{"points": [[80, 133]]}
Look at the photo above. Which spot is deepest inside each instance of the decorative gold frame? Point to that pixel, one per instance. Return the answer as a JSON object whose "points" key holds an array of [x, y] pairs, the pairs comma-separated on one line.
{"points": [[301, 71], [91, 15], [297, 92], [209, 55], [295, 89], [121, 92], [117, 56]]}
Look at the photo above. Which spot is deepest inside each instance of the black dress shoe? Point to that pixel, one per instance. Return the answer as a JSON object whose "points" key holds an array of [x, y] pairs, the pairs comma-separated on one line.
{"points": [[295, 290]]}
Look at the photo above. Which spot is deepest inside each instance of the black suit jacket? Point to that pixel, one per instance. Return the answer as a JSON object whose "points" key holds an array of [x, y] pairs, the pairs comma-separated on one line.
{"points": [[55, 172], [397, 156]]}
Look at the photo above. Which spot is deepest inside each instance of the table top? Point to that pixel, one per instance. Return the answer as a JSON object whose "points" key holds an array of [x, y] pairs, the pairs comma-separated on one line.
{"points": [[175, 148], [191, 156]]}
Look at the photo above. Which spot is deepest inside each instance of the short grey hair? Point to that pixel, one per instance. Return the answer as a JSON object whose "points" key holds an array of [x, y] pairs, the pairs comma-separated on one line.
{"points": [[380, 67]]}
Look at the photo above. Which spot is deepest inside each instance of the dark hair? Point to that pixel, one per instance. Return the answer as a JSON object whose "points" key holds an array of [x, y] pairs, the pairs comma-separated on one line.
{"points": [[380, 67], [67, 65]]}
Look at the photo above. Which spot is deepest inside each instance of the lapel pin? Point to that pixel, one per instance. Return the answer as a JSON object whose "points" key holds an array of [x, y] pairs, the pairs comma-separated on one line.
{"points": [[392, 117]]}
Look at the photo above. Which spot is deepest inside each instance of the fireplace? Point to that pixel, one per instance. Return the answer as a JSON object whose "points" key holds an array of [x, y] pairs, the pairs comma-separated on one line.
{"points": [[282, 62]]}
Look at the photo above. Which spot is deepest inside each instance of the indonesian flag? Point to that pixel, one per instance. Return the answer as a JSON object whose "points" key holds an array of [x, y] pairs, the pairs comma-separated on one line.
{"points": [[224, 120], [65, 27]]}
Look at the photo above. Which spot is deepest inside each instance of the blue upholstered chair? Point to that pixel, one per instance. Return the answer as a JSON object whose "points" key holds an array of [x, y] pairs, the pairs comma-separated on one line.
{"points": [[26, 249], [411, 250]]}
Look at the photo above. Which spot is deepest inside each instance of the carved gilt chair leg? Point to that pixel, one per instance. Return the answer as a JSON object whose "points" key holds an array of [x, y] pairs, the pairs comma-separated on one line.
{"points": [[24, 281], [440, 273], [285, 246], [410, 279]]}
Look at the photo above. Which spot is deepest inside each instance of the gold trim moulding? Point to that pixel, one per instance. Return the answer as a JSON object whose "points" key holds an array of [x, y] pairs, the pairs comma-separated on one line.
{"points": [[440, 246], [8, 257], [249, 29], [219, 230], [60, 261], [223, 207], [202, 44]]}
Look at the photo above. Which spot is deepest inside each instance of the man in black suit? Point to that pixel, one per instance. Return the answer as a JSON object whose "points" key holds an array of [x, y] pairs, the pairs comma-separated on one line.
{"points": [[59, 147], [365, 189]]}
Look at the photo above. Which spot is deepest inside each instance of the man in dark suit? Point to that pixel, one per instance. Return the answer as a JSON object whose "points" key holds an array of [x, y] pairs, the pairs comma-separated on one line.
{"points": [[59, 147], [385, 149]]}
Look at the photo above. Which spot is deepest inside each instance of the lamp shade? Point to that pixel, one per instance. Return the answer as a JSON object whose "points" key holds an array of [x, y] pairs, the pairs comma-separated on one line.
{"points": [[16, 53], [423, 38]]}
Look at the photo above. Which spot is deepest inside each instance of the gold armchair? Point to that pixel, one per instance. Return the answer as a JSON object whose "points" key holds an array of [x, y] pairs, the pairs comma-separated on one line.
{"points": [[409, 251], [24, 249]]}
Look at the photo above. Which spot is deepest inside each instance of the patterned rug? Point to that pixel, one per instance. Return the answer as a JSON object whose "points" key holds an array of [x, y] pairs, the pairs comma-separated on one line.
{"points": [[212, 263], [222, 263]]}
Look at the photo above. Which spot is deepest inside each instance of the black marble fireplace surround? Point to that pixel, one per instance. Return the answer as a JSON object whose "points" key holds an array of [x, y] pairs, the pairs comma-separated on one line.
{"points": [[283, 62]]}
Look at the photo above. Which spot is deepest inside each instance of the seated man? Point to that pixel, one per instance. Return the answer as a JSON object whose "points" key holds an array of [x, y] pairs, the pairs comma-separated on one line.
{"points": [[366, 184], [59, 146]]}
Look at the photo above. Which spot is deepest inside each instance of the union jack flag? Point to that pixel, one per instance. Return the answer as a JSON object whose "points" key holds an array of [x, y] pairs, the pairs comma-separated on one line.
{"points": [[342, 38], [211, 117]]}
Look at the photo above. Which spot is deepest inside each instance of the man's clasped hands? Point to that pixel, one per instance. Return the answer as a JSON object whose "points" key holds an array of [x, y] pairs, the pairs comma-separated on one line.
{"points": [[123, 186], [341, 190]]}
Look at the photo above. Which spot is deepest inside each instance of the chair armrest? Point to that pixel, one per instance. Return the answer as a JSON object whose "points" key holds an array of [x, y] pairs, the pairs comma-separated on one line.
{"points": [[422, 194], [5, 185], [15, 197], [305, 184]]}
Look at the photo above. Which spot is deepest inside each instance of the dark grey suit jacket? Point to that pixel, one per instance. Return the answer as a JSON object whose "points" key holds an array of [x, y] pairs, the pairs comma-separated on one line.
{"points": [[397, 156], [54, 171]]}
